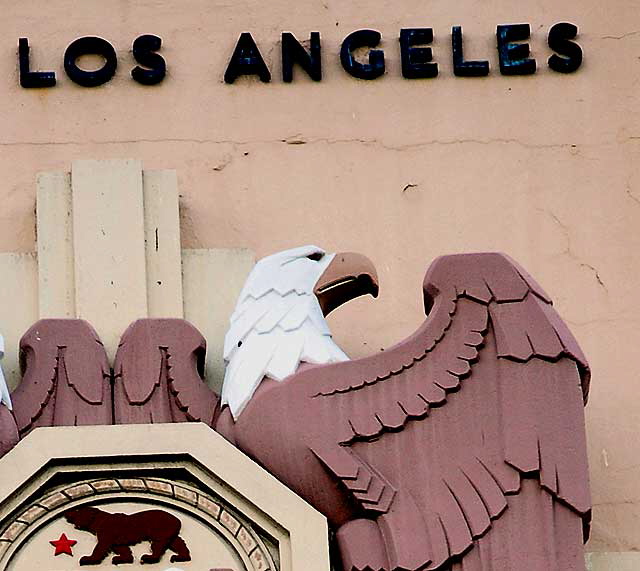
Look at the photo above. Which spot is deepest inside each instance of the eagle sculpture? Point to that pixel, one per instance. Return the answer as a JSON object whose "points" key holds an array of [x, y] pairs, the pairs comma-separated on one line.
{"points": [[460, 448]]}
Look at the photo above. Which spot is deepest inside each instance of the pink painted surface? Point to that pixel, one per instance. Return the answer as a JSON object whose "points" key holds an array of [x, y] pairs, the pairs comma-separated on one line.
{"points": [[8, 430], [463, 447], [65, 376], [157, 373]]}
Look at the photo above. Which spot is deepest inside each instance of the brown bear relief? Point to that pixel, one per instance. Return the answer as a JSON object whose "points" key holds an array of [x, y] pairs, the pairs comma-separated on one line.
{"points": [[117, 532]]}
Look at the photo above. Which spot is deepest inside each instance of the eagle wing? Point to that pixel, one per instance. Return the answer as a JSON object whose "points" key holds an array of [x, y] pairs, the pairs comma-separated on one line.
{"points": [[159, 371], [65, 376], [489, 390]]}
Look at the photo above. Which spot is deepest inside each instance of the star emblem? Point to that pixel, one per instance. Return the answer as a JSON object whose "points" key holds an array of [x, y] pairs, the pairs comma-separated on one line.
{"points": [[63, 545]]}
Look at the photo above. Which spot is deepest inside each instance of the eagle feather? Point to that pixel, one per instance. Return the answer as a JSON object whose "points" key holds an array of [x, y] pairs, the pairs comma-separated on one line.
{"points": [[277, 324], [5, 398]]}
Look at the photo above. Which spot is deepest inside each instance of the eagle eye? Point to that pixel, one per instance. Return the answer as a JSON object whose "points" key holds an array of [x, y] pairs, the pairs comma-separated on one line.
{"points": [[316, 256]]}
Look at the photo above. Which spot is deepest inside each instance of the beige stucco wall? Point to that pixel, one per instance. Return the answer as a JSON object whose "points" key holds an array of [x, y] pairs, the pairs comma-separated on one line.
{"points": [[543, 167]]}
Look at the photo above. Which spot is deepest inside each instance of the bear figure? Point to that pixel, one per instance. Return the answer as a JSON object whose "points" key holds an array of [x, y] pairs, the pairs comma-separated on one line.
{"points": [[117, 532]]}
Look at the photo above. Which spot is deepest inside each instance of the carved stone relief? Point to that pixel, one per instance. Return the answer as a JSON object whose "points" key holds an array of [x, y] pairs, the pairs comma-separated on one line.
{"points": [[64, 528]]}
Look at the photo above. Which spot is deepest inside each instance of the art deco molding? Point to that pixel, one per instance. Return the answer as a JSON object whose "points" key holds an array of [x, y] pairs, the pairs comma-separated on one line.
{"points": [[109, 251]]}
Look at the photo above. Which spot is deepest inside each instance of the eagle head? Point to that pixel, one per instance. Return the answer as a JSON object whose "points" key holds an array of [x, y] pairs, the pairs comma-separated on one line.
{"points": [[278, 321], [5, 398]]}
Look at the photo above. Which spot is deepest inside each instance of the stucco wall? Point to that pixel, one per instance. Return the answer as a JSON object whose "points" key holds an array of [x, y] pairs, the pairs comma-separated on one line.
{"points": [[541, 167]]}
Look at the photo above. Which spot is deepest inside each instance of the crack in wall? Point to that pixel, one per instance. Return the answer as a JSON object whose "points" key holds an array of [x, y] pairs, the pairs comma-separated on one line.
{"points": [[616, 503], [600, 321], [595, 273], [300, 141], [630, 194], [622, 36], [226, 161], [569, 248]]}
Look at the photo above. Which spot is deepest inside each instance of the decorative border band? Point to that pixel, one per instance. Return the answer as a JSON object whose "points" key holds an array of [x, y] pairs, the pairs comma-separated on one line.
{"points": [[246, 538]]}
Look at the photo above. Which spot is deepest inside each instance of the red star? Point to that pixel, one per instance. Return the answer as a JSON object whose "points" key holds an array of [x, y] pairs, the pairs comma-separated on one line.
{"points": [[63, 545]]}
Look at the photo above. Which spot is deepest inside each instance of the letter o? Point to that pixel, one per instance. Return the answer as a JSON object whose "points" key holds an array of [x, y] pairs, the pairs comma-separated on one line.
{"points": [[85, 46]]}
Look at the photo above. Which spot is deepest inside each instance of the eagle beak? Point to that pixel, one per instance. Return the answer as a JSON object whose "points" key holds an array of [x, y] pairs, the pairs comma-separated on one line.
{"points": [[348, 276]]}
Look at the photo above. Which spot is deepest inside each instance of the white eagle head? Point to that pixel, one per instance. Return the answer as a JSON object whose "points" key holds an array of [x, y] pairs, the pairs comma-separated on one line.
{"points": [[5, 398], [279, 322]]}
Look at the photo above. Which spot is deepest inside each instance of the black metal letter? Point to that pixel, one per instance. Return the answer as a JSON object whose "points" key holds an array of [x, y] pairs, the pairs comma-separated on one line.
{"points": [[461, 68], [246, 60], [32, 78], [513, 57], [85, 46], [416, 62], [293, 52], [361, 39], [559, 41], [144, 50]]}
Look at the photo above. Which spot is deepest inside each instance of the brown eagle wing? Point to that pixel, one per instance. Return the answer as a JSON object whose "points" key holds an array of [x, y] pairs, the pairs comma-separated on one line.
{"points": [[492, 335], [65, 376], [158, 371]]}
